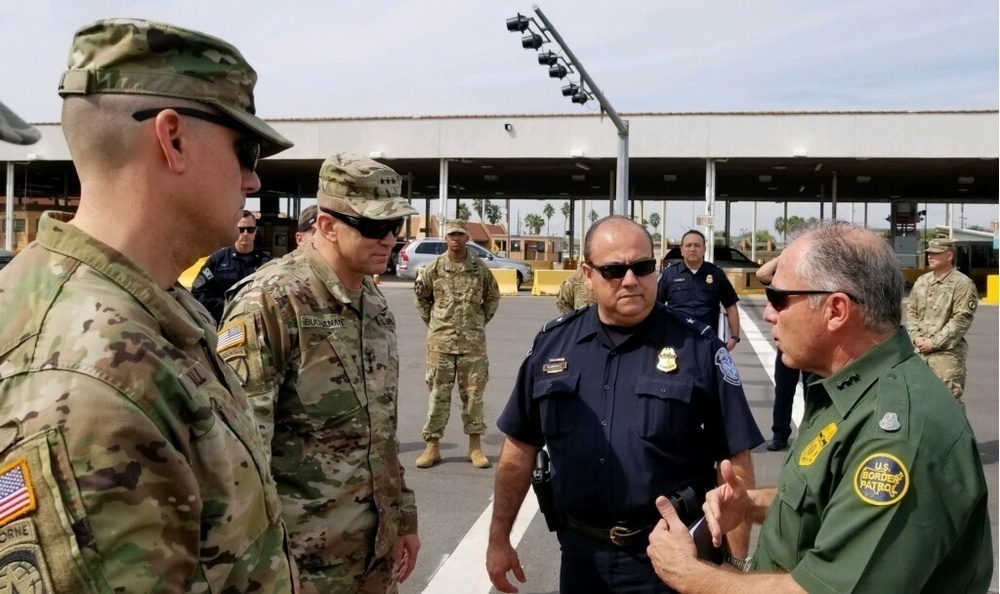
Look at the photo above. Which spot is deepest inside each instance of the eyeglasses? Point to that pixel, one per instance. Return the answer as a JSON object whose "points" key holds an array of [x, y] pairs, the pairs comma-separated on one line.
{"points": [[247, 230], [247, 151], [617, 271], [370, 228], [778, 298]]}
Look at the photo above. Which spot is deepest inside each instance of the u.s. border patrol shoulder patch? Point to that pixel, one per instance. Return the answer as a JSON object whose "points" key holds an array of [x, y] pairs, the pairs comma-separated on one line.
{"points": [[881, 479], [727, 366]]}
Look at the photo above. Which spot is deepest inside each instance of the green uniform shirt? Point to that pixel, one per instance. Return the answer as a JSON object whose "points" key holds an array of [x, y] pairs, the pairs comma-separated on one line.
{"points": [[145, 469], [573, 293], [322, 374], [456, 300], [883, 490], [941, 310]]}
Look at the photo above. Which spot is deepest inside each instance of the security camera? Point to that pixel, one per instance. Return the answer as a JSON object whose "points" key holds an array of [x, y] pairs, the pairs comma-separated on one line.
{"points": [[508, 127]]}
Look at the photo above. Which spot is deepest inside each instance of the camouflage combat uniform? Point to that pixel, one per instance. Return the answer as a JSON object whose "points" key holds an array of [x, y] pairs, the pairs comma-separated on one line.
{"points": [[456, 300], [941, 310], [573, 293], [321, 367], [142, 468]]}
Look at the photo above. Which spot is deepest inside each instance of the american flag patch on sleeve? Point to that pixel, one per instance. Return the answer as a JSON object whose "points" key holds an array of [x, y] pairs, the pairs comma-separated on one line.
{"points": [[16, 496], [232, 336]]}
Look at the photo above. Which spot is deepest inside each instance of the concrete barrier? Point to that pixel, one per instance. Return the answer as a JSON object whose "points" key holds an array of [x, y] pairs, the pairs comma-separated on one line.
{"points": [[992, 289], [507, 279], [547, 281], [744, 280]]}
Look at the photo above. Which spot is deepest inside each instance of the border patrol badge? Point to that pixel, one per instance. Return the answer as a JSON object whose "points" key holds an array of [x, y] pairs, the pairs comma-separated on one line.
{"points": [[667, 360], [727, 366], [881, 479], [812, 450], [708, 279]]}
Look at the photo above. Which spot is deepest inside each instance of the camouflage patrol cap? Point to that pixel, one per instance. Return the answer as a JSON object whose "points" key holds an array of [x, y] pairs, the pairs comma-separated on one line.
{"points": [[138, 57], [455, 226], [354, 184], [14, 129], [307, 218], [939, 246]]}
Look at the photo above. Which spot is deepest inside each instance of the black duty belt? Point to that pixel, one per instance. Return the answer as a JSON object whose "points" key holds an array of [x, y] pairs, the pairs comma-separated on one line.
{"points": [[686, 501]]}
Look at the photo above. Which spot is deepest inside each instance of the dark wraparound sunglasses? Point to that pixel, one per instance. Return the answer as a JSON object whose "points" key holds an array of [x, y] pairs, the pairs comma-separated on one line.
{"points": [[370, 228], [617, 271], [778, 298], [247, 151], [247, 229]]}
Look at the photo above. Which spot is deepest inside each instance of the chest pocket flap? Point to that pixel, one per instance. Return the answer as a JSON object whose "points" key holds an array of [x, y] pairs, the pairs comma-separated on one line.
{"points": [[558, 405], [661, 385]]}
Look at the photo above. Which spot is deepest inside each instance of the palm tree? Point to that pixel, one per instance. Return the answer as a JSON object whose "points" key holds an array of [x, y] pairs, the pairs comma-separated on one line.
{"points": [[654, 220], [593, 216], [492, 213], [565, 210], [534, 223], [548, 210], [463, 212], [479, 205]]}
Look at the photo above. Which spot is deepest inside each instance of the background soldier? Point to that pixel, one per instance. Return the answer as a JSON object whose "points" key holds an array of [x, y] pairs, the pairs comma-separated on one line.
{"points": [[457, 296], [939, 313], [314, 341], [307, 225], [573, 293], [138, 461], [226, 267]]}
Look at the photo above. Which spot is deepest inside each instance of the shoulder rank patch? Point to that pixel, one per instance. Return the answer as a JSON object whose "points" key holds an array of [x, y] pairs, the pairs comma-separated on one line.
{"points": [[727, 366], [881, 479], [232, 336], [16, 495], [812, 450]]}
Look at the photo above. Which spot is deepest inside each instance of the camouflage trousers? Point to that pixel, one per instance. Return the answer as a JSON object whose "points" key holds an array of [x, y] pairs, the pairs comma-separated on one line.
{"points": [[351, 577], [950, 367], [471, 370]]}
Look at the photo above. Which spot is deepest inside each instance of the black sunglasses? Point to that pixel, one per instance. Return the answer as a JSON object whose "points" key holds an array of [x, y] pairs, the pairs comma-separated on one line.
{"points": [[778, 298], [247, 151], [247, 230], [370, 228], [617, 271]]}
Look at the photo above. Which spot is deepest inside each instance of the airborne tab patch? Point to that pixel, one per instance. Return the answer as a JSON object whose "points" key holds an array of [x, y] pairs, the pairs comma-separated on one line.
{"points": [[881, 480], [16, 495], [232, 336]]}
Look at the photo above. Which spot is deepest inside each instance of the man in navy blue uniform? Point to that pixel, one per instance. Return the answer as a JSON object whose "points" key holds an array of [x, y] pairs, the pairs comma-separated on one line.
{"points": [[697, 288], [226, 267], [631, 400]]}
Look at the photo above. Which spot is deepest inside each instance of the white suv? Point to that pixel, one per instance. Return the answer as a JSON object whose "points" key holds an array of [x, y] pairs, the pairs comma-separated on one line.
{"points": [[421, 252]]}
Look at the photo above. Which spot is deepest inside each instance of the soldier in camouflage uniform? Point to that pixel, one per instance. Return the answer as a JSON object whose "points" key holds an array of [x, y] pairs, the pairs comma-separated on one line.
{"points": [[457, 296], [573, 293], [938, 314], [129, 457], [314, 342]]}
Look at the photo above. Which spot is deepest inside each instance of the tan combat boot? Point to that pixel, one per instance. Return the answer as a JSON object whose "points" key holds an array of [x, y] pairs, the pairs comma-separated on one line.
{"points": [[476, 453], [431, 455]]}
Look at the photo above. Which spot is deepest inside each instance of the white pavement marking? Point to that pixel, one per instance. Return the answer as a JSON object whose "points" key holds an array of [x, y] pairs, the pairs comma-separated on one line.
{"points": [[766, 354], [465, 570]]}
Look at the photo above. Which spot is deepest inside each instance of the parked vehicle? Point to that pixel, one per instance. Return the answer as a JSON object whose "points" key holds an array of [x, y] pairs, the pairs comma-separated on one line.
{"points": [[390, 267], [725, 257], [421, 252]]}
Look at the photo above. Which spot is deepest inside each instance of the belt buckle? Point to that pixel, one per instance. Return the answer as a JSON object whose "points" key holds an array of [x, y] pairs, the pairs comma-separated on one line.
{"points": [[617, 532]]}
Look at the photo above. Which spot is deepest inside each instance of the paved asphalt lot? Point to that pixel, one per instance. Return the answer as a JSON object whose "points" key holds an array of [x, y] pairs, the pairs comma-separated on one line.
{"points": [[453, 495]]}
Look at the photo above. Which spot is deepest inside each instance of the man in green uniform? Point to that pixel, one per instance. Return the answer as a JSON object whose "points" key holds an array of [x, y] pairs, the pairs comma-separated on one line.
{"points": [[457, 296], [939, 313], [129, 461], [314, 343], [573, 293], [883, 491]]}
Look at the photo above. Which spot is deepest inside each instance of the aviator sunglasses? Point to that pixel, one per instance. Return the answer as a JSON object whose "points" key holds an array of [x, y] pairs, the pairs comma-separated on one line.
{"points": [[778, 298], [370, 228], [247, 151], [618, 271]]}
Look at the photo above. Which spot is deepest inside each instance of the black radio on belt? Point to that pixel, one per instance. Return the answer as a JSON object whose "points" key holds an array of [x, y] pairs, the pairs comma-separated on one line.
{"points": [[541, 484]]}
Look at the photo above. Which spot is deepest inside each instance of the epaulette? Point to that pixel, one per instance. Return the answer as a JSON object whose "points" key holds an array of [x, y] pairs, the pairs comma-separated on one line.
{"points": [[552, 324], [698, 327]]}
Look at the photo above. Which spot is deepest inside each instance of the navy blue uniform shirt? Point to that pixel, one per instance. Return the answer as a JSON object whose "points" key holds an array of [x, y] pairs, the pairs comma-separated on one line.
{"points": [[697, 295], [628, 423], [221, 271]]}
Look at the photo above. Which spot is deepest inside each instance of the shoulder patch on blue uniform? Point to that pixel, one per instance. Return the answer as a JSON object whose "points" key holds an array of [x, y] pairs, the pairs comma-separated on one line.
{"points": [[881, 479], [727, 366]]}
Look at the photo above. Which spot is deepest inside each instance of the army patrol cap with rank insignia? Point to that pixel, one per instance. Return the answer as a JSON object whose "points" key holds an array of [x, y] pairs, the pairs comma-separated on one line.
{"points": [[138, 57], [15, 130], [455, 226], [356, 185], [939, 246], [307, 219]]}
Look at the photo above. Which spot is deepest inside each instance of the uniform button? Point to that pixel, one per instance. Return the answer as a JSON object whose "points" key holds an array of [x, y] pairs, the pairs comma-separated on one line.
{"points": [[663, 390], [604, 423], [601, 460], [607, 387], [612, 353]]}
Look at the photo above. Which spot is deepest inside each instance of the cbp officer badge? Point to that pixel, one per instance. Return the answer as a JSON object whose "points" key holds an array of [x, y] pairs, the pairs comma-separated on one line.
{"points": [[667, 360], [881, 479], [708, 279]]}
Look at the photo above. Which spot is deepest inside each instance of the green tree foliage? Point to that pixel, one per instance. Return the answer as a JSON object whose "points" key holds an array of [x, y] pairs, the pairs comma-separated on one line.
{"points": [[792, 224], [534, 223], [548, 210], [463, 211], [479, 206], [593, 216], [654, 221], [492, 212]]}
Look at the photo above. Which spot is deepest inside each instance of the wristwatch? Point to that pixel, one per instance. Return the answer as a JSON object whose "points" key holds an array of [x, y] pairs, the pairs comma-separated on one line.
{"points": [[735, 338], [741, 564]]}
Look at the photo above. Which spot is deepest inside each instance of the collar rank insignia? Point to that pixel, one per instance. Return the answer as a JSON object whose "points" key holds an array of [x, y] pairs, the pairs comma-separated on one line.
{"points": [[555, 366], [848, 381], [708, 279], [890, 422], [667, 360]]}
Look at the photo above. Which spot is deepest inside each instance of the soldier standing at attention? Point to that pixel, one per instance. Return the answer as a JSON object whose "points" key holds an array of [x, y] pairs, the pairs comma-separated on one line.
{"points": [[226, 267], [136, 458], [939, 313], [314, 343], [457, 296], [573, 293]]}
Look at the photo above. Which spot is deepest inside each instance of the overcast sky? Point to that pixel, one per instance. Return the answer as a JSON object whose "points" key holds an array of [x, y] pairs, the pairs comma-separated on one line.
{"points": [[446, 57]]}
